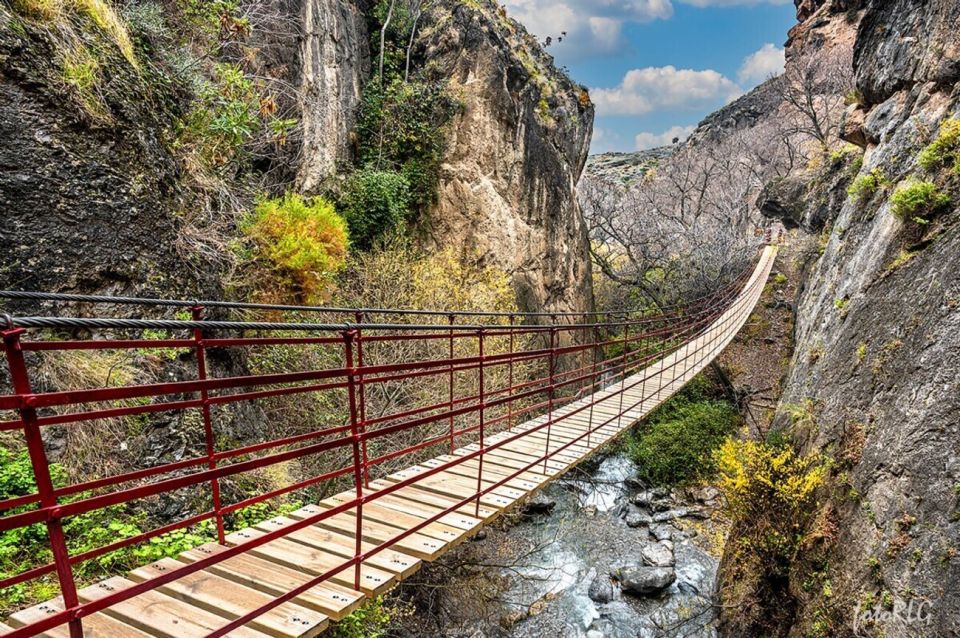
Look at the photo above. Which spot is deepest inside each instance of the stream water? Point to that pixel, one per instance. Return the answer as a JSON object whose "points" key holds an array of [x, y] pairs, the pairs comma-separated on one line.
{"points": [[541, 569]]}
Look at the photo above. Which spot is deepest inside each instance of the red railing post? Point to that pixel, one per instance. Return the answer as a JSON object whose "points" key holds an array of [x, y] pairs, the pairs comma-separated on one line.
{"points": [[211, 447], [362, 402], [451, 318], [483, 445], [510, 376], [594, 384], [626, 360], [348, 337], [20, 379], [553, 371]]}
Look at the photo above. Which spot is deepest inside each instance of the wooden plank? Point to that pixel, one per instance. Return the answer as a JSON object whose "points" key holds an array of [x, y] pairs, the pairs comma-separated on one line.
{"points": [[94, 626], [492, 474], [377, 533], [232, 600], [331, 599], [373, 581], [535, 479], [515, 488], [524, 459], [467, 523], [159, 614], [445, 502], [502, 466], [450, 485], [376, 512], [389, 560]]}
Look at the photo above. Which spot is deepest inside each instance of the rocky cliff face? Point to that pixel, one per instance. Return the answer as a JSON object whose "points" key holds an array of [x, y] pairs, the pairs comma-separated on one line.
{"points": [[515, 153], [335, 62], [876, 365], [82, 189], [83, 194]]}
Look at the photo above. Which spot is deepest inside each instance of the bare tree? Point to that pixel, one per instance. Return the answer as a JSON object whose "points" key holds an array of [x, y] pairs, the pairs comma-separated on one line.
{"points": [[417, 8], [814, 90], [383, 36]]}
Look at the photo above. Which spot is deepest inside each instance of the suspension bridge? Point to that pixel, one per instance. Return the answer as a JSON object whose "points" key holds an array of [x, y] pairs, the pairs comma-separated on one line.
{"points": [[517, 400]]}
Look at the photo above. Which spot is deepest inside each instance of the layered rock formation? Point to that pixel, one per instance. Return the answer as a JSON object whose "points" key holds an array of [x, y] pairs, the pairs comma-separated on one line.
{"points": [[335, 62], [876, 365], [82, 189], [508, 189]]}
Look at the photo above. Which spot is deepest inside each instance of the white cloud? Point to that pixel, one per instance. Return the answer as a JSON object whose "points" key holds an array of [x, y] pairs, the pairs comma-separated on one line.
{"points": [[732, 3], [591, 26], [653, 88], [653, 140], [761, 64]]}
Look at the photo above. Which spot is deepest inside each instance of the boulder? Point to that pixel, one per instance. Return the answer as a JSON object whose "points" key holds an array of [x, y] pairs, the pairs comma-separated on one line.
{"points": [[539, 505], [636, 518], [601, 590], [662, 532], [645, 581], [658, 555], [643, 499]]}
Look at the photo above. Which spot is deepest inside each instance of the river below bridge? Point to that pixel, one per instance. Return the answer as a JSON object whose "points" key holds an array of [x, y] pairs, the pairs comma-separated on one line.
{"points": [[548, 572]]}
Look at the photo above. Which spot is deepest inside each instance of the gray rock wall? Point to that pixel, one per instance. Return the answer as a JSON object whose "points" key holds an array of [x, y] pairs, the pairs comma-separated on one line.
{"points": [[508, 185], [877, 357], [335, 61]]}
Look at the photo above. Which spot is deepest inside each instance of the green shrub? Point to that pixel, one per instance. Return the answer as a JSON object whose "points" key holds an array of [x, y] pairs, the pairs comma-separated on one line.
{"points": [[306, 242], [370, 621], [376, 204], [917, 200], [945, 149], [676, 444], [401, 128], [864, 186]]}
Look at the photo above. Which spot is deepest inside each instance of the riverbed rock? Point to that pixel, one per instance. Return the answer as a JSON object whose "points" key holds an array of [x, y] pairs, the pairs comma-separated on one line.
{"points": [[644, 581], [636, 518], [662, 532], [634, 483], [539, 505], [661, 505], [601, 590], [669, 515], [703, 494], [643, 499], [658, 555]]}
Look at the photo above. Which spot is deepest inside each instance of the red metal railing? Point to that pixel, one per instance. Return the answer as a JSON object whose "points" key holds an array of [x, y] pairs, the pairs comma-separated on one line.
{"points": [[491, 373]]}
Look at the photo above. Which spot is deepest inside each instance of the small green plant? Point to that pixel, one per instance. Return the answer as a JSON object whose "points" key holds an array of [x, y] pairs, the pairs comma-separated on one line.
{"points": [[81, 70], [841, 154], [861, 351], [944, 150], [902, 259], [376, 205], [842, 306], [370, 621], [865, 186], [102, 14], [917, 200], [305, 241], [675, 445], [780, 279]]}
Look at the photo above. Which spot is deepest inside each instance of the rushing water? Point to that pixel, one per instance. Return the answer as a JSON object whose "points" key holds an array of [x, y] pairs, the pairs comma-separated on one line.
{"points": [[545, 590]]}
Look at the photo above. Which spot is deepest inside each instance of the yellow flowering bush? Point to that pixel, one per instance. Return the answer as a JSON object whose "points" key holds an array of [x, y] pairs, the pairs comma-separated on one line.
{"points": [[305, 241], [770, 492]]}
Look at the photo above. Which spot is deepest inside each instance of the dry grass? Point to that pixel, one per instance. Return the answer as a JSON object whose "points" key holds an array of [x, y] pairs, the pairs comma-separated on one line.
{"points": [[100, 12]]}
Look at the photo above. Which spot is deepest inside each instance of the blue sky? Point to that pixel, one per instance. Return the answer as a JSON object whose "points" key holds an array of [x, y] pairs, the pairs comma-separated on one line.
{"points": [[657, 67]]}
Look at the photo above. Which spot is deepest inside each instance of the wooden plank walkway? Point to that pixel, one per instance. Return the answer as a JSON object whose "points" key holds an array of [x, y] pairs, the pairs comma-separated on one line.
{"points": [[197, 604]]}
